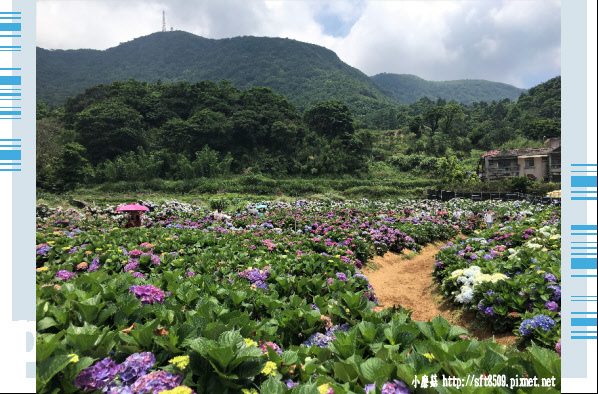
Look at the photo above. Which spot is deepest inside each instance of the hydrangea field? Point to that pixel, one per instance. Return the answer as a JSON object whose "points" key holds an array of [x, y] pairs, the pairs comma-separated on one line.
{"points": [[277, 302]]}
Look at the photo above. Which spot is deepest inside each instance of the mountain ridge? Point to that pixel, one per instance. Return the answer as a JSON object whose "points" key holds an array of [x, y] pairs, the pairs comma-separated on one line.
{"points": [[305, 73]]}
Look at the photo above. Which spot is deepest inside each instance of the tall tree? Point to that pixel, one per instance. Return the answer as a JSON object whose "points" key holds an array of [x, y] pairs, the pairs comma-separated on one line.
{"points": [[330, 119]]}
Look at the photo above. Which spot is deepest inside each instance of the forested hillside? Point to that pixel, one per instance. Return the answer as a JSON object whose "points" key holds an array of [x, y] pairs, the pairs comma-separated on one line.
{"points": [[133, 130], [410, 88], [305, 73]]}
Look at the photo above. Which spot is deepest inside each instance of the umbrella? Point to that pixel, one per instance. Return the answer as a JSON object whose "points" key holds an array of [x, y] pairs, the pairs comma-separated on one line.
{"points": [[261, 206], [132, 207]]}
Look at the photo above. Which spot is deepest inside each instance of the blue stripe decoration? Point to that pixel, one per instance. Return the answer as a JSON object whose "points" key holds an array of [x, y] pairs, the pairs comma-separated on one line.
{"points": [[10, 169], [583, 181], [6, 154], [584, 227], [583, 313], [583, 338], [10, 164], [10, 112], [584, 322], [584, 165], [584, 264], [10, 94], [10, 80], [10, 27]]}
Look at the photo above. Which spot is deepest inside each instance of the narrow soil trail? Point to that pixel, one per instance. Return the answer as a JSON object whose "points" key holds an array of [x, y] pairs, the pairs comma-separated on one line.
{"points": [[406, 280]]}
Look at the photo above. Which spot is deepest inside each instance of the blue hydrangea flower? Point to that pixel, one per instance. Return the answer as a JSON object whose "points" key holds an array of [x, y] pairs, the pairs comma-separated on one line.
{"points": [[527, 327], [544, 322]]}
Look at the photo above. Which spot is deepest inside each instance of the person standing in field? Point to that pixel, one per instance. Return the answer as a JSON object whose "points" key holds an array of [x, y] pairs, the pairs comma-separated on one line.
{"points": [[488, 218], [134, 220]]}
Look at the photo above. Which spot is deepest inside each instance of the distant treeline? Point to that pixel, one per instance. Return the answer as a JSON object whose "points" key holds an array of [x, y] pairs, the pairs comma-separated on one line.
{"points": [[134, 130]]}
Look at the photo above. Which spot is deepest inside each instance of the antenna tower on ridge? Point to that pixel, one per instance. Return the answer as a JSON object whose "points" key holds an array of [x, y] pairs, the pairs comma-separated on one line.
{"points": [[163, 20]]}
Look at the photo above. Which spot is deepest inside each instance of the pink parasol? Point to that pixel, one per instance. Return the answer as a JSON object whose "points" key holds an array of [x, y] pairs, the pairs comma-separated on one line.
{"points": [[132, 207]]}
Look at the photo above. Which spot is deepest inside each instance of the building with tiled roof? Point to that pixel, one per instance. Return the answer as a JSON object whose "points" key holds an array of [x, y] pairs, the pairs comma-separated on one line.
{"points": [[538, 164]]}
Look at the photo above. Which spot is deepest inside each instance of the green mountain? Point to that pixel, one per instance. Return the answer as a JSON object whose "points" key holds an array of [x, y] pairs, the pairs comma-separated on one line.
{"points": [[305, 73], [410, 88]]}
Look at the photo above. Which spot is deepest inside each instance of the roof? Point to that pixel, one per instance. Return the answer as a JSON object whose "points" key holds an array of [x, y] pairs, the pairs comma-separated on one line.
{"points": [[517, 152]]}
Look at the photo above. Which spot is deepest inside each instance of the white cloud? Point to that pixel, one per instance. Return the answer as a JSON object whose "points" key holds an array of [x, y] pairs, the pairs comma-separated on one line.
{"points": [[505, 41]]}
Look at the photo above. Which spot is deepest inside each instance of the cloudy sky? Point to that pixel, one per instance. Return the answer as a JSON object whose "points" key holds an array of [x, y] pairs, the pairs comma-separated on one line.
{"points": [[511, 41]]}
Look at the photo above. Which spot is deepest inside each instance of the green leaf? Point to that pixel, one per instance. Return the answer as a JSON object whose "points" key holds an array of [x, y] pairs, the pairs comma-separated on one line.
{"points": [[369, 367], [46, 323], [305, 389], [272, 386], [223, 356], [46, 344], [50, 367], [441, 327], [368, 330], [289, 357], [344, 372], [425, 329], [231, 339], [493, 362]]}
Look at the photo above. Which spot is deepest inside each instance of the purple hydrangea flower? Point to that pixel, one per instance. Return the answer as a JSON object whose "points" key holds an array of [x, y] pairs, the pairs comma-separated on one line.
{"points": [[135, 366], [155, 382], [97, 376], [94, 266], [65, 275], [290, 384], [396, 387], [550, 277], [132, 265], [148, 294], [341, 276], [489, 311], [556, 292], [369, 388], [138, 275], [552, 306], [43, 250]]}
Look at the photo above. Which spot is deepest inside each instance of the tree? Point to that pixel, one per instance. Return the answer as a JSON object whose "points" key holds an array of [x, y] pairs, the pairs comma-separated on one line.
{"points": [[109, 129], [415, 125], [451, 114], [47, 148], [452, 172], [71, 166], [432, 118], [330, 119]]}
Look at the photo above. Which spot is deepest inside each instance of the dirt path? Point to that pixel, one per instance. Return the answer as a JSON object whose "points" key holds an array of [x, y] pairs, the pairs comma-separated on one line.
{"points": [[406, 280]]}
